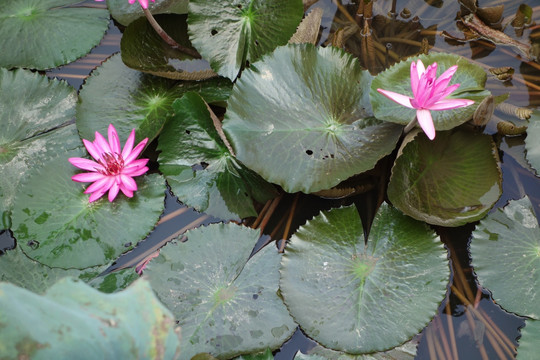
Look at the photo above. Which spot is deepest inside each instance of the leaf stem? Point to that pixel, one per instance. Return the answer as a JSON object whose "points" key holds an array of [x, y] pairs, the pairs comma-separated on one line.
{"points": [[169, 40]]}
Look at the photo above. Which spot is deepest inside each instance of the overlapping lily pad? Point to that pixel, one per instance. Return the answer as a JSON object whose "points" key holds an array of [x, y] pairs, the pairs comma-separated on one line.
{"points": [[374, 296], [43, 34], [531, 141], [450, 181], [406, 351], [225, 306], [32, 110], [18, 269], [528, 342], [72, 317], [144, 50], [397, 78], [230, 32], [301, 118], [55, 224], [116, 94], [124, 12], [199, 168], [505, 252]]}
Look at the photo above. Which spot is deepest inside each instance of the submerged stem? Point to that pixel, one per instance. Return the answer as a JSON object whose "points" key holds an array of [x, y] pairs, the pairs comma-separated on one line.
{"points": [[169, 40]]}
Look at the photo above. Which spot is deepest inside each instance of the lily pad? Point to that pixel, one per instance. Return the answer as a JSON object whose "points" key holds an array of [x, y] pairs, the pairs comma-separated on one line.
{"points": [[450, 181], [374, 296], [201, 171], [301, 118], [32, 110], [72, 317], [528, 342], [397, 78], [20, 270], [144, 50], [406, 351], [229, 33], [43, 34], [505, 251], [225, 306], [55, 224], [116, 94], [531, 141], [124, 12]]}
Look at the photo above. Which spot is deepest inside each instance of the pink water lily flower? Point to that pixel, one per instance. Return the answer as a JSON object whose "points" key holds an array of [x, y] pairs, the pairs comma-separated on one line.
{"points": [[144, 3], [114, 168], [429, 93]]}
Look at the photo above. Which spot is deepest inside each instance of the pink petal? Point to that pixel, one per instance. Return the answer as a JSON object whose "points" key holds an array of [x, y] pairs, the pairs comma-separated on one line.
{"points": [[87, 177], [426, 123], [96, 195], [443, 80], [114, 141], [126, 192], [420, 68], [129, 144], [92, 150], [135, 171], [135, 152], [102, 144], [128, 182], [448, 104], [85, 164], [113, 191], [398, 98], [137, 163], [101, 185], [415, 77]]}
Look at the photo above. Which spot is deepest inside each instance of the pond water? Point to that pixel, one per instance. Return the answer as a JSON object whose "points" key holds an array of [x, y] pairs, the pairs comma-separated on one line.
{"points": [[455, 321]]}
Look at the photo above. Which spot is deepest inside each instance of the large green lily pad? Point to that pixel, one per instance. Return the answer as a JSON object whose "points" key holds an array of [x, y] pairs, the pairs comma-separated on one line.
{"points": [[116, 94], [124, 12], [20, 270], [229, 33], [397, 78], [55, 224], [199, 168], [225, 306], [32, 110], [450, 181], [505, 252], [360, 298], [72, 320], [301, 118], [43, 34], [144, 50], [406, 351], [531, 141], [528, 342]]}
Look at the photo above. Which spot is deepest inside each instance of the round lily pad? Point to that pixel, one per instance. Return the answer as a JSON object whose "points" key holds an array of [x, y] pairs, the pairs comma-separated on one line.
{"points": [[449, 181], [230, 32], [225, 304], [55, 224], [301, 118], [531, 141], [43, 34], [201, 171], [124, 12], [144, 50], [32, 110], [374, 296], [505, 251], [116, 94], [20, 270], [528, 342], [397, 78], [72, 317]]}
